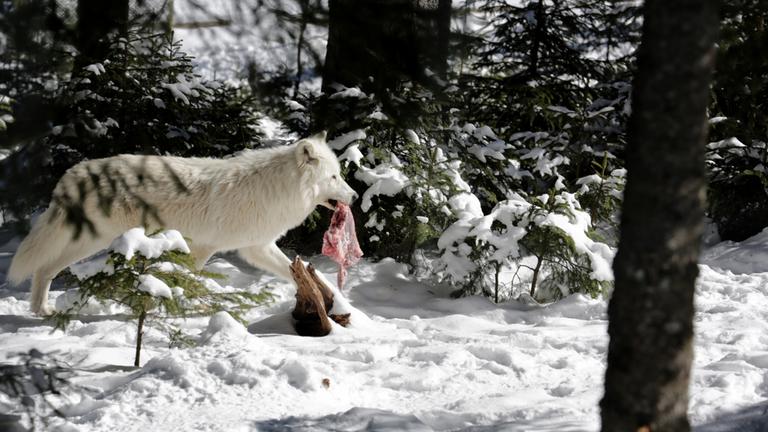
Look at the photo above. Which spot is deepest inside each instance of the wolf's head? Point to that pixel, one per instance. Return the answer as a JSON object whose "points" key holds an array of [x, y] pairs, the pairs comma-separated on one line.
{"points": [[321, 168]]}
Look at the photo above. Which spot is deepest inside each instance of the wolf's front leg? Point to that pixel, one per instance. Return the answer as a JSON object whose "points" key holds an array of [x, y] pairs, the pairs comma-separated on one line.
{"points": [[269, 258]]}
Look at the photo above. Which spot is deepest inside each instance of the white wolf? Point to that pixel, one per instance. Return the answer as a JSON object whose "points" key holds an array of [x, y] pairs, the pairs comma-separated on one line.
{"points": [[245, 202]]}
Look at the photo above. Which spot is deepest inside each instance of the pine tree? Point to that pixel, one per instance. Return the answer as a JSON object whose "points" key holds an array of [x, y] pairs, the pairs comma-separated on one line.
{"points": [[157, 287], [737, 159]]}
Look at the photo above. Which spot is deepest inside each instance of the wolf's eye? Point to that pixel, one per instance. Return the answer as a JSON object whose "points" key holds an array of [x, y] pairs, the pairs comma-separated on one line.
{"points": [[334, 177]]}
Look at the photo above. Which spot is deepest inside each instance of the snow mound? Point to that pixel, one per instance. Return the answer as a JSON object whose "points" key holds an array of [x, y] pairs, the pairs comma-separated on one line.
{"points": [[222, 325], [69, 298], [354, 420], [84, 406], [748, 256], [240, 369]]}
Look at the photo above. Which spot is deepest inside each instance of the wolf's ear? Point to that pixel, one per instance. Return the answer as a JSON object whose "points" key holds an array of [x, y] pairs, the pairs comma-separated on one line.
{"points": [[319, 137], [306, 153]]}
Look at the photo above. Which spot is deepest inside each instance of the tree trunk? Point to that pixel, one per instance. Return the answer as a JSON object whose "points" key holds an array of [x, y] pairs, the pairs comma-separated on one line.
{"points": [[376, 43], [651, 311], [535, 277], [538, 39], [96, 20], [170, 18], [139, 336], [304, 5]]}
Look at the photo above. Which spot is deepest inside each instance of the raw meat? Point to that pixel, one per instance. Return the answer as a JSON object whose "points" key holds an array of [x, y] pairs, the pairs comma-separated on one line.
{"points": [[340, 241]]}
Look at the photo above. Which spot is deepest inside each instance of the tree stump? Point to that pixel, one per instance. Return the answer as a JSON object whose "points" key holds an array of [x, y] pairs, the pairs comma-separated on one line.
{"points": [[313, 301]]}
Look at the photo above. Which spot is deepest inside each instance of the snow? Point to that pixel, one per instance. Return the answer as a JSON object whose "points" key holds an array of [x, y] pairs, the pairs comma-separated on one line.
{"points": [[352, 154], [135, 241], [600, 255], [749, 256], [222, 325], [727, 143], [86, 269], [413, 359], [96, 68], [349, 92], [154, 286], [343, 140], [384, 179], [411, 136], [718, 119], [184, 87], [466, 205]]}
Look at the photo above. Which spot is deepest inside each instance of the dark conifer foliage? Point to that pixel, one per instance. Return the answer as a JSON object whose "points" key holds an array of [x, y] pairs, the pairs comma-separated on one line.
{"points": [[738, 202], [492, 98], [541, 53], [98, 22]]}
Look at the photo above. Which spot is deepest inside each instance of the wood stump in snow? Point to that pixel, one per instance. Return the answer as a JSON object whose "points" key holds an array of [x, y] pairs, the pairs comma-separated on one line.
{"points": [[313, 301]]}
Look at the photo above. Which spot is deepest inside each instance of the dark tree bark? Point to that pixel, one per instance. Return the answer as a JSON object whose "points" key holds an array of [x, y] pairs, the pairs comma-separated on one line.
{"points": [[96, 19], [538, 39], [378, 42], [651, 311], [139, 336]]}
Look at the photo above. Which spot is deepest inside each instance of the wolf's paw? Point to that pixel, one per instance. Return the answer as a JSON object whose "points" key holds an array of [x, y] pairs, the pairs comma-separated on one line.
{"points": [[42, 310]]}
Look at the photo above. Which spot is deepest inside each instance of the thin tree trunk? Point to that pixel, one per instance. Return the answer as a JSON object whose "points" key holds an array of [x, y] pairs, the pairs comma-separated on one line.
{"points": [[496, 283], [299, 43], [538, 39], [139, 336], [169, 19], [535, 279], [96, 20], [376, 43], [651, 311]]}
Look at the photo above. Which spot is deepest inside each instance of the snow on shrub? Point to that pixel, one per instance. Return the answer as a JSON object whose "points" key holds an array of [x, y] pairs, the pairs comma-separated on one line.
{"points": [[552, 229], [154, 277], [433, 180]]}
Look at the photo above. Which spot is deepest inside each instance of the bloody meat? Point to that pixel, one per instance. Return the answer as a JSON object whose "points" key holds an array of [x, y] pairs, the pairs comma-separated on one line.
{"points": [[340, 241]]}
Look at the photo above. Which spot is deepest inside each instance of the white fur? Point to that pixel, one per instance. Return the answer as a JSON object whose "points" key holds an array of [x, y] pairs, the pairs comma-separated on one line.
{"points": [[245, 202]]}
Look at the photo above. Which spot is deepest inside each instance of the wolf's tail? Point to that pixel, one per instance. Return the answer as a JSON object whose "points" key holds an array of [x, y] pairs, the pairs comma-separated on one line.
{"points": [[40, 247]]}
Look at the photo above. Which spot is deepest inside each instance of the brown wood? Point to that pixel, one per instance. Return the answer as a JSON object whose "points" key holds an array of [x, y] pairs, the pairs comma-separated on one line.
{"points": [[313, 301], [139, 336], [324, 290], [341, 319]]}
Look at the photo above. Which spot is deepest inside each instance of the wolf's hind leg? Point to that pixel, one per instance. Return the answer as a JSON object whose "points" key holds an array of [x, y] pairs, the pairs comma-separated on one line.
{"points": [[201, 254], [41, 279]]}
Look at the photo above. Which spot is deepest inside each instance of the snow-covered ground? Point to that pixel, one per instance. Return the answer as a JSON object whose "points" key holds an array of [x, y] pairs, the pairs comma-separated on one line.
{"points": [[414, 359]]}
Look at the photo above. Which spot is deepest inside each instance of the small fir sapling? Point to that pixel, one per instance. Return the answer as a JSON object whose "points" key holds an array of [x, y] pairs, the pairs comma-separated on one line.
{"points": [[154, 277]]}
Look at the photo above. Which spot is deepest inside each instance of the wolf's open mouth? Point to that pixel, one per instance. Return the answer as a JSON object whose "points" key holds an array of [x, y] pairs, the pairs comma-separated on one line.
{"points": [[331, 204]]}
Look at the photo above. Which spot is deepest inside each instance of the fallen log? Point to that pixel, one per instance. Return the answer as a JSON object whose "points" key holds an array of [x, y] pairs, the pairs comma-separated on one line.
{"points": [[313, 301]]}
